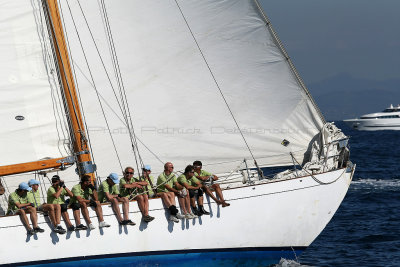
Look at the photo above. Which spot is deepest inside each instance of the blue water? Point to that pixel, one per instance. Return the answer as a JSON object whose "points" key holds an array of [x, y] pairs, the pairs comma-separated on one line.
{"points": [[220, 259], [365, 231]]}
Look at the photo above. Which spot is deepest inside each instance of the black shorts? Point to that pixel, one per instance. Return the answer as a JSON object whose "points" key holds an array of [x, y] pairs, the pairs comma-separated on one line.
{"points": [[75, 206], [195, 193], [40, 208], [64, 207]]}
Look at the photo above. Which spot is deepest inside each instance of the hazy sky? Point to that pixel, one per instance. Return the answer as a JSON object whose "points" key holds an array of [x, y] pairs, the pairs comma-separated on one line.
{"points": [[324, 38]]}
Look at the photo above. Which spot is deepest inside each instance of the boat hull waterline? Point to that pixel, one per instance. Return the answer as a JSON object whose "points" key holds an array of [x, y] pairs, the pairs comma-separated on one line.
{"points": [[374, 124], [288, 215]]}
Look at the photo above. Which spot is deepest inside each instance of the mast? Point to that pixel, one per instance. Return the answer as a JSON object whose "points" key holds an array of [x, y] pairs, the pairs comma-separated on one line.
{"points": [[80, 144], [79, 140]]}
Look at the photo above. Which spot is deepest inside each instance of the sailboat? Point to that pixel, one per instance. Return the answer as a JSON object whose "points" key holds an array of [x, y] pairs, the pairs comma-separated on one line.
{"points": [[90, 87]]}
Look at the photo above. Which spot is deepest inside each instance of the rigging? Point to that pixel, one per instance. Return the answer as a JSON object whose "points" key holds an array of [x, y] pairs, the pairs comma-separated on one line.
{"points": [[79, 95], [219, 89], [121, 87], [93, 82]]}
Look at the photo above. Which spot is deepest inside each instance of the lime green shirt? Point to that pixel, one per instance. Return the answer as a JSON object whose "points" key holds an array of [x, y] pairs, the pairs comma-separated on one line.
{"points": [[52, 200], [126, 191], [147, 188], [192, 181], [15, 198], [163, 180], [34, 197], [202, 173], [105, 188], [79, 192]]}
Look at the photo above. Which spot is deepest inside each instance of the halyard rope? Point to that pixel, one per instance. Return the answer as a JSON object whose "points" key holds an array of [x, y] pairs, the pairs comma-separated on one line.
{"points": [[92, 78], [215, 80]]}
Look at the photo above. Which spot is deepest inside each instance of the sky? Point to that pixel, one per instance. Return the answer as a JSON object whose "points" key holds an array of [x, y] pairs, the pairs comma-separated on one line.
{"points": [[325, 38]]}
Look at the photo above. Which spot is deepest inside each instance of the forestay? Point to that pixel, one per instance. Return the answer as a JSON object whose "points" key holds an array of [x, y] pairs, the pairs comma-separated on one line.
{"points": [[177, 109], [31, 125]]}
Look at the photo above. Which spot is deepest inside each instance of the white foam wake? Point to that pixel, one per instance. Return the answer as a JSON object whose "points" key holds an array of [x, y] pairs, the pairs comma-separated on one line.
{"points": [[289, 263], [376, 183]]}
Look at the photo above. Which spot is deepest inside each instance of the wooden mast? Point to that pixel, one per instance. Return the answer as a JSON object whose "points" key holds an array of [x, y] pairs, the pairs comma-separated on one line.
{"points": [[80, 143]]}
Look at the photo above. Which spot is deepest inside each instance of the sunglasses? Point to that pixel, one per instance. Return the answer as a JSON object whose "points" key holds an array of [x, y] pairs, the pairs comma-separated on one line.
{"points": [[129, 173]]}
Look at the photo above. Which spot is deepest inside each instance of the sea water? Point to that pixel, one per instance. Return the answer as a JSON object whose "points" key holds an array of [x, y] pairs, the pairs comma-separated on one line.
{"points": [[365, 230]]}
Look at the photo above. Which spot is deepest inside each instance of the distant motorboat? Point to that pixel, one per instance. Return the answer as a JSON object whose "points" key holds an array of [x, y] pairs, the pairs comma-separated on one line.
{"points": [[388, 119]]}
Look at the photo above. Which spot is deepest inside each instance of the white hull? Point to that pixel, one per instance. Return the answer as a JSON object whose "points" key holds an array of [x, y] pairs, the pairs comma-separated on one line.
{"points": [[374, 124], [279, 214]]}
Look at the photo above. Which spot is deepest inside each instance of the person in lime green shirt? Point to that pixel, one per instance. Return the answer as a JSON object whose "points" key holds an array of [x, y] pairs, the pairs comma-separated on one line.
{"points": [[150, 188], [167, 187], [56, 195], [207, 180], [18, 204], [109, 191], [132, 187], [85, 195], [53, 210], [193, 185]]}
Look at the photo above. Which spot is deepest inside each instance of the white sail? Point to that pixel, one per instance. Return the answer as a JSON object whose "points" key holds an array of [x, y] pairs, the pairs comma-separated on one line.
{"points": [[177, 109], [31, 126]]}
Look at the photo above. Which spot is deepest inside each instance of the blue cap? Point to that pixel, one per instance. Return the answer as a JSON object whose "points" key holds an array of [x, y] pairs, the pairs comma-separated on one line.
{"points": [[24, 186], [147, 167], [33, 182], [114, 177]]}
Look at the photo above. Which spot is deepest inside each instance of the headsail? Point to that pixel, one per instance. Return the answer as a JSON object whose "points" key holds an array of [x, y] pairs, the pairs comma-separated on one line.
{"points": [[31, 116], [178, 111]]}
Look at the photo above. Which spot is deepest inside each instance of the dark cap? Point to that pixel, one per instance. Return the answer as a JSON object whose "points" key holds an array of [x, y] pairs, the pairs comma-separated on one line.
{"points": [[197, 163], [55, 178]]}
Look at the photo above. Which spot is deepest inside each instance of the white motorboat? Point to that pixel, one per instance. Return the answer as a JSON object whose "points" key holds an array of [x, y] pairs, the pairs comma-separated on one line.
{"points": [[388, 119]]}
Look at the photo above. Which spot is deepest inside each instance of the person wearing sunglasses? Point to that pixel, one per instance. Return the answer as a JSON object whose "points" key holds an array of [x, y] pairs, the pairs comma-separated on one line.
{"points": [[132, 187], [167, 187]]}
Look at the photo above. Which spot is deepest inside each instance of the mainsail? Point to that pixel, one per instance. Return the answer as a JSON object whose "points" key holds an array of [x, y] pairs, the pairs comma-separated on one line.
{"points": [[178, 111], [32, 118]]}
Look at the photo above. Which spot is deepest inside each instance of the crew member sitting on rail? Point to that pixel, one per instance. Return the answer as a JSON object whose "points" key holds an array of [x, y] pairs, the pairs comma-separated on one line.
{"points": [[109, 191], [191, 183], [56, 195], [184, 180], [166, 189], [207, 180], [146, 177], [85, 194], [53, 210], [18, 203], [131, 187]]}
